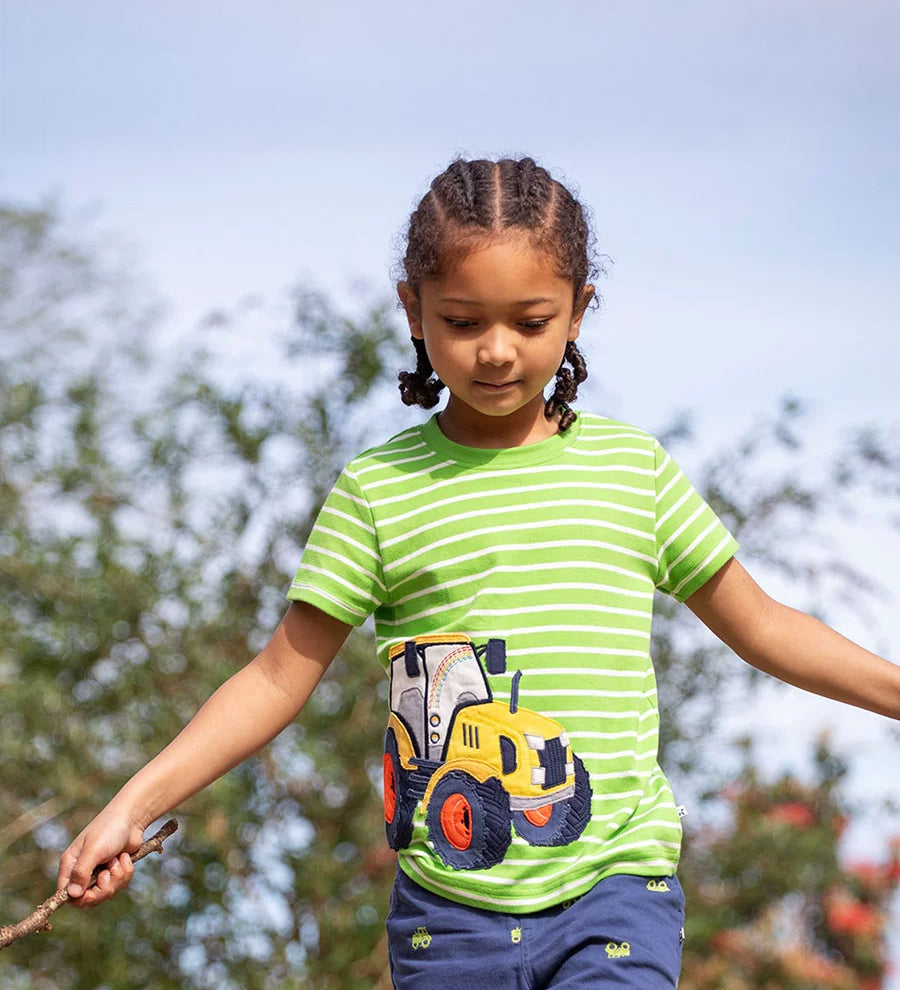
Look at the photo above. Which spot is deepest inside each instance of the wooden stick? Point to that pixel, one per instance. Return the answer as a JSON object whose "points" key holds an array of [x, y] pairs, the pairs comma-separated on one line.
{"points": [[37, 920]]}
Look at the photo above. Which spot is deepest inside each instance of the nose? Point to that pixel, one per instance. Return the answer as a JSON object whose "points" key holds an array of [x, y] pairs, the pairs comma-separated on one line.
{"points": [[496, 346]]}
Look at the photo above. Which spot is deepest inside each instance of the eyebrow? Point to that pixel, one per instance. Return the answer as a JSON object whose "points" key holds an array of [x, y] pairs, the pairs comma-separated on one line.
{"points": [[521, 302]]}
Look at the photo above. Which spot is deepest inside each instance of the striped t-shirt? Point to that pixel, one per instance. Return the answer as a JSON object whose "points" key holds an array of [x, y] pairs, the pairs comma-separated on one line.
{"points": [[555, 548]]}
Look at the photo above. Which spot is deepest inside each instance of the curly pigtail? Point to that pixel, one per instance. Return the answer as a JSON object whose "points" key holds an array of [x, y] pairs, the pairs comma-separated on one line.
{"points": [[420, 387], [566, 390]]}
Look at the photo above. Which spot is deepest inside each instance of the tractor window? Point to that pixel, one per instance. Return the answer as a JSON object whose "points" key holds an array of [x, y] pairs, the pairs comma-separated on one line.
{"points": [[507, 754]]}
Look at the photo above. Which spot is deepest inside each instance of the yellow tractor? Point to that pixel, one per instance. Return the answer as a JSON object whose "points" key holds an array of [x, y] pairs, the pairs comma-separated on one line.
{"points": [[477, 767]]}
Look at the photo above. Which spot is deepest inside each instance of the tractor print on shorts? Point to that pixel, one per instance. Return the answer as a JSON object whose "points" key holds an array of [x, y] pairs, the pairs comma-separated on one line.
{"points": [[478, 767]]}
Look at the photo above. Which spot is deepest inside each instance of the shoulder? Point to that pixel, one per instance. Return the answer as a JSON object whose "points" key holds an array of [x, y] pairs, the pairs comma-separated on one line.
{"points": [[596, 429], [397, 448]]}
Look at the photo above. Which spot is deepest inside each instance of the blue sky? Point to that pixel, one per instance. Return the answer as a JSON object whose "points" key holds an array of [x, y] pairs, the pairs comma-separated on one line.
{"points": [[741, 160]]}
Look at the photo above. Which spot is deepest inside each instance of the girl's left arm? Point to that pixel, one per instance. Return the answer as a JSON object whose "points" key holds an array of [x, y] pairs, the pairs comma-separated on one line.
{"points": [[792, 645]]}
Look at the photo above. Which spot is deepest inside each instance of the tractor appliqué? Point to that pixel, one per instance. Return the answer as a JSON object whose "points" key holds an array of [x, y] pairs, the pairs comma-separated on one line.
{"points": [[477, 767]]}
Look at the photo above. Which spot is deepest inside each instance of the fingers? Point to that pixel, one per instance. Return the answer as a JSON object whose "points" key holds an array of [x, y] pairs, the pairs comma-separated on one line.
{"points": [[97, 864], [66, 862], [81, 870], [115, 875]]}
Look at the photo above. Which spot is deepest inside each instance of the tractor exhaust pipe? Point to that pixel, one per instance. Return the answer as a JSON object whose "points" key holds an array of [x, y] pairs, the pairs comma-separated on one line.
{"points": [[514, 693]]}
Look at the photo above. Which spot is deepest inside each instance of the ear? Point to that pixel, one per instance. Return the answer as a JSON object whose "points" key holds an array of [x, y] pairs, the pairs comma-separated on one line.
{"points": [[411, 307], [581, 305]]}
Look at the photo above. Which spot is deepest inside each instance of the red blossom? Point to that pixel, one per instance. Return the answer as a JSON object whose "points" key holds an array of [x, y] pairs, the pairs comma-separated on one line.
{"points": [[727, 940], [845, 915], [794, 813], [893, 871], [814, 968], [871, 875]]}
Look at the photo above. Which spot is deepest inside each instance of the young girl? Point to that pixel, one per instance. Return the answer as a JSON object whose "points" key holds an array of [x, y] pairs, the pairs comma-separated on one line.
{"points": [[509, 549]]}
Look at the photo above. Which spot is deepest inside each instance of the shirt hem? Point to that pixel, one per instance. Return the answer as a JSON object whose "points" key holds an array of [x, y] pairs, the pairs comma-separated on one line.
{"points": [[570, 894], [697, 582], [326, 605]]}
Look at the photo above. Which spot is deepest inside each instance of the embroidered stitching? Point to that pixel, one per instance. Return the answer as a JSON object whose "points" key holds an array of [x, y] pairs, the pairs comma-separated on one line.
{"points": [[618, 951], [421, 938], [658, 885]]}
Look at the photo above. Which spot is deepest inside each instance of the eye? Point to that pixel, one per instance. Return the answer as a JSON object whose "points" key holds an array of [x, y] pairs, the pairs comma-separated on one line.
{"points": [[459, 324], [535, 324]]}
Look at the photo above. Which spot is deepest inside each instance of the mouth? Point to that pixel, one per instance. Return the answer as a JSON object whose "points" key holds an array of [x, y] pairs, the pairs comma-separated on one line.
{"points": [[498, 386]]}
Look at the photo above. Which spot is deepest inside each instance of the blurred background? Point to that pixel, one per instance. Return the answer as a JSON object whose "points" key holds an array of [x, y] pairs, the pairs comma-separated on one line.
{"points": [[201, 206]]}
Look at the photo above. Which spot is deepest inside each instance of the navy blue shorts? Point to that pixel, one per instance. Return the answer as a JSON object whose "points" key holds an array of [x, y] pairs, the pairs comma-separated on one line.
{"points": [[625, 932]]}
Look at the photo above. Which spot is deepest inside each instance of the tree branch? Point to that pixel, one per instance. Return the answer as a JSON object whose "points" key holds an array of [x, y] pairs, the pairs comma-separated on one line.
{"points": [[37, 920]]}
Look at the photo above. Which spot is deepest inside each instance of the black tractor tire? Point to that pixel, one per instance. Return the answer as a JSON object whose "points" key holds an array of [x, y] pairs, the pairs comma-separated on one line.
{"points": [[578, 807], [468, 821], [547, 834], [399, 807]]}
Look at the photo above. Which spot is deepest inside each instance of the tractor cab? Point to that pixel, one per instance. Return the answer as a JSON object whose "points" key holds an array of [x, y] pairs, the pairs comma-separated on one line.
{"points": [[432, 677]]}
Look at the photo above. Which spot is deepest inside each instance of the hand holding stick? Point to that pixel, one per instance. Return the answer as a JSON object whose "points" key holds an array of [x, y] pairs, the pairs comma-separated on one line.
{"points": [[37, 920]]}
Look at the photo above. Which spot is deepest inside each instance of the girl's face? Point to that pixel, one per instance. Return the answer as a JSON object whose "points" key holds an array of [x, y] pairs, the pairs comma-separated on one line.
{"points": [[495, 326]]}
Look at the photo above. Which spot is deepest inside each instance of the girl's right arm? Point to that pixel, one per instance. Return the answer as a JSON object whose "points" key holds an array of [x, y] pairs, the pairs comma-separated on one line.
{"points": [[244, 714]]}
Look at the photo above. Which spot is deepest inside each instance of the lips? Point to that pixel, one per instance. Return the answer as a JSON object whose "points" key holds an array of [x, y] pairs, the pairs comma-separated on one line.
{"points": [[498, 386]]}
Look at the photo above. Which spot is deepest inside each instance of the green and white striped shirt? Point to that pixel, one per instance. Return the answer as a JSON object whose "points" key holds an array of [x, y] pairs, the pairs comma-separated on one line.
{"points": [[555, 547]]}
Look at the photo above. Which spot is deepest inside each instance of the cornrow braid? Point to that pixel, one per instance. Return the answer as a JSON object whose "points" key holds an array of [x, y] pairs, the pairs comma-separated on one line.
{"points": [[469, 203], [566, 390], [468, 200], [529, 192], [420, 387]]}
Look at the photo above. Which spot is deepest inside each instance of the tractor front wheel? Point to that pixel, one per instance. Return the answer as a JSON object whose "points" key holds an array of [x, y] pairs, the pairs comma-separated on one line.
{"points": [[468, 821]]}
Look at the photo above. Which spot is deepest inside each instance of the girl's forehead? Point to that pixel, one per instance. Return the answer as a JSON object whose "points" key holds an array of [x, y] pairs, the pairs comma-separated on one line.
{"points": [[509, 268]]}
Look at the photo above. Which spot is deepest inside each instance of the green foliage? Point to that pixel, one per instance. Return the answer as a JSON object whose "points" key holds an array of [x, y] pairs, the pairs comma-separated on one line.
{"points": [[149, 526], [151, 515]]}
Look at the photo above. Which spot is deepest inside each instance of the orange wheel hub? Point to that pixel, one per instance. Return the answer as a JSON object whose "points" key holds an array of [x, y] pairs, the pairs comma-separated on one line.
{"points": [[539, 816], [456, 821], [390, 789]]}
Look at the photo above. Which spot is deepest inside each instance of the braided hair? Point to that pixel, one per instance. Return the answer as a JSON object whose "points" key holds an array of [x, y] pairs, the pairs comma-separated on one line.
{"points": [[468, 204]]}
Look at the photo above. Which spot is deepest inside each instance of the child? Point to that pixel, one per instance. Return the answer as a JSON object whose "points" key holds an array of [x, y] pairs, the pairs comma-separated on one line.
{"points": [[509, 549]]}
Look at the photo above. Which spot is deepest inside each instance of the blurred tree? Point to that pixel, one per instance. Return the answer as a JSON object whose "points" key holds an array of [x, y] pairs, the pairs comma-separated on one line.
{"points": [[770, 903], [150, 519], [152, 512]]}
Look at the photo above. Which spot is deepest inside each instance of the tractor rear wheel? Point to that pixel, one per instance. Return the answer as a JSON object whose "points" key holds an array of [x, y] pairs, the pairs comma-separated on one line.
{"points": [[398, 806]]}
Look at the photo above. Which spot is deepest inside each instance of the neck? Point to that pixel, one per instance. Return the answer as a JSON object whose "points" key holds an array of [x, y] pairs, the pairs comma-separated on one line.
{"points": [[472, 429]]}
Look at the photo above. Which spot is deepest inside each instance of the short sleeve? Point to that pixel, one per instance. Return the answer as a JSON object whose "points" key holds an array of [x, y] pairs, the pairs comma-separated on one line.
{"points": [[691, 541], [340, 571]]}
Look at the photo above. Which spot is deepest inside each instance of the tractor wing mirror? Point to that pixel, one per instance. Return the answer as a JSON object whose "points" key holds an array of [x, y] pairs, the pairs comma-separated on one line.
{"points": [[495, 656]]}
